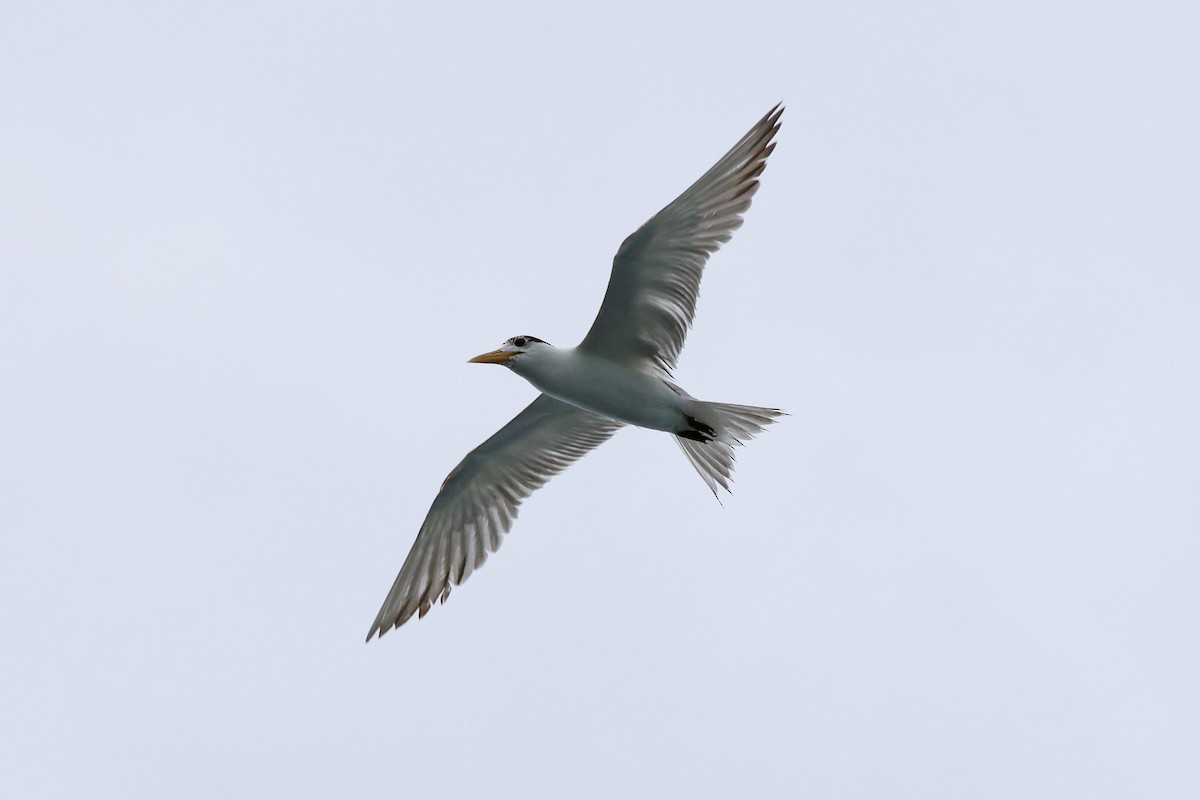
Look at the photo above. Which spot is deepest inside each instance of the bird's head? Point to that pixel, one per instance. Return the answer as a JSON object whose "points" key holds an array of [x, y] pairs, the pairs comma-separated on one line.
{"points": [[512, 349]]}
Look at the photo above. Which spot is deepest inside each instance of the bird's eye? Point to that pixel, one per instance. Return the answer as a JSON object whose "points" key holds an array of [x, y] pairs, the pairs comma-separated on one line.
{"points": [[520, 341]]}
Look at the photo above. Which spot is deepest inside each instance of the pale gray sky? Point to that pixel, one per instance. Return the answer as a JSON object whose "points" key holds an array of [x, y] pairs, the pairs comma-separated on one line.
{"points": [[247, 249]]}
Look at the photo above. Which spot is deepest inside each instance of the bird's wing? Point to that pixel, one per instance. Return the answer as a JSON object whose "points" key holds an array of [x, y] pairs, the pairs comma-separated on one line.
{"points": [[656, 273], [478, 501]]}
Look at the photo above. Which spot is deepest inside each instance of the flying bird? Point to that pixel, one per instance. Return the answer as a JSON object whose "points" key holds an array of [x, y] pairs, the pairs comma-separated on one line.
{"points": [[620, 374]]}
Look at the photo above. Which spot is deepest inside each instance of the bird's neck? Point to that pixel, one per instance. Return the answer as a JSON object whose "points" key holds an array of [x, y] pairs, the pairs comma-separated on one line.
{"points": [[542, 365]]}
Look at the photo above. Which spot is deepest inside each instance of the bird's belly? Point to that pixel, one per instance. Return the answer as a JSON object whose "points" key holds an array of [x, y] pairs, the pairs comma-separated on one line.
{"points": [[612, 390]]}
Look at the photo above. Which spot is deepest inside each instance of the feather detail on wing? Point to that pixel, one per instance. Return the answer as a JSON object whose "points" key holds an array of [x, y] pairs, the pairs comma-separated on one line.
{"points": [[479, 501], [651, 297]]}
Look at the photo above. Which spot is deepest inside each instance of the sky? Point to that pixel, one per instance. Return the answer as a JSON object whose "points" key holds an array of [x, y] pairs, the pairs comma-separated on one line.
{"points": [[247, 248]]}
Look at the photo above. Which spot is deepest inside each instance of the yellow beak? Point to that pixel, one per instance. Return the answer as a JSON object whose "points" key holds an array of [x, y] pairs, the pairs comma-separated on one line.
{"points": [[494, 357]]}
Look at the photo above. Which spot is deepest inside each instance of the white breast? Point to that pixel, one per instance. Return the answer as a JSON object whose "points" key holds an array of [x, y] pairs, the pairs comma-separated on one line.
{"points": [[604, 387]]}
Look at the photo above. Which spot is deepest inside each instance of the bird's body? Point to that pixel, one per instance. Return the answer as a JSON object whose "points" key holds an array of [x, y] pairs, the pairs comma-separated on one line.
{"points": [[633, 395], [620, 374]]}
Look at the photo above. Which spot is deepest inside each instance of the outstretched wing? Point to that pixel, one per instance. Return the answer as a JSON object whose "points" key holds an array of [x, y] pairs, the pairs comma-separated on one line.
{"points": [[651, 297], [479, 499]]}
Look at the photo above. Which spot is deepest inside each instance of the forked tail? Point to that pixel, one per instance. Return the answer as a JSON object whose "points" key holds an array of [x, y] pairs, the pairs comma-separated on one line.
{"points": [[716, 428]]}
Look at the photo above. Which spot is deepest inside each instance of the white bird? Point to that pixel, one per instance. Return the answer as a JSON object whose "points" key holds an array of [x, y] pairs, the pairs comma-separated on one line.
{"points": [[620, 374]]}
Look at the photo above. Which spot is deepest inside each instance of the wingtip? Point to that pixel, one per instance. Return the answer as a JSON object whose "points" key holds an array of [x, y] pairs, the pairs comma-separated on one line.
{"points": [[378, 629]]}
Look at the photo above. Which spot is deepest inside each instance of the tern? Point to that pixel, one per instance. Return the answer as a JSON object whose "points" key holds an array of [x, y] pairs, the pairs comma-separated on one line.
{"points": [[620, 374]]}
